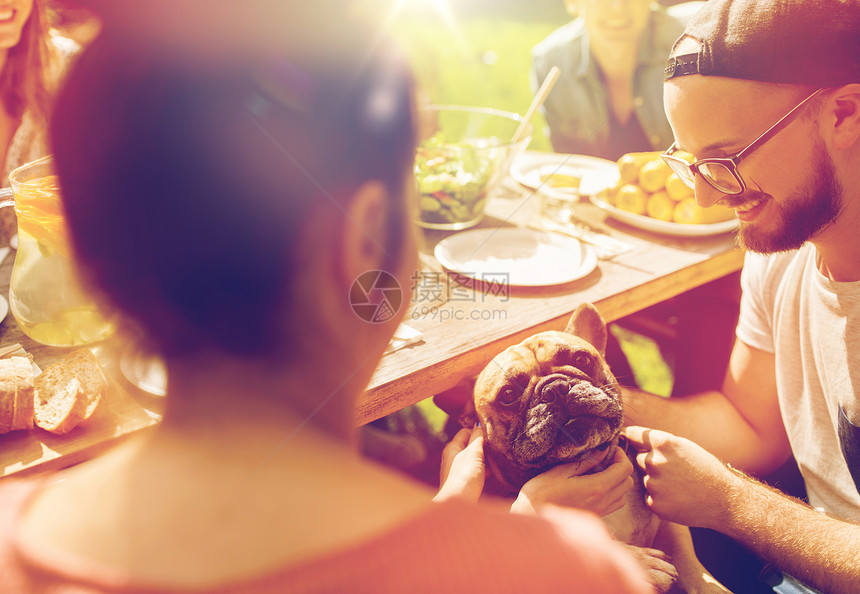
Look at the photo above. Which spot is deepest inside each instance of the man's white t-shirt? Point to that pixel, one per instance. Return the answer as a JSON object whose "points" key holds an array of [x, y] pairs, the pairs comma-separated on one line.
{"points": [[812, 325]]}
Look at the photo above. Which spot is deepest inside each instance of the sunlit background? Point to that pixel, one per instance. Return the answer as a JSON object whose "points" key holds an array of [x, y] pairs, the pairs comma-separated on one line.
{"points": [[472, 52], [478, 52]]}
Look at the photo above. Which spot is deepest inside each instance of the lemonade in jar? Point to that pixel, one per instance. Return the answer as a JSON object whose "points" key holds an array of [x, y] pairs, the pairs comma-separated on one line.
{"points": [[45, 296]]}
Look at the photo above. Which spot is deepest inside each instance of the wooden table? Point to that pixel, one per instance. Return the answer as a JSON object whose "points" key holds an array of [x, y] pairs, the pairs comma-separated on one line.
{"points": [[477, 325], [125, 409], [658, 268]]}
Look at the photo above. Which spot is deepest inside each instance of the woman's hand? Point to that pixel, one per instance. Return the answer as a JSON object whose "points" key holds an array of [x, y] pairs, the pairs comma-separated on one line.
{"points": [[565, 485], [685, 483], [463, 471]]}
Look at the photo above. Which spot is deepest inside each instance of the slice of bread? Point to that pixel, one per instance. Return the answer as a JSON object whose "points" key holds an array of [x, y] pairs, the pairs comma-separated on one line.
{"points": [[87, 369], [7, 395], [24, 393], [60, 401]]}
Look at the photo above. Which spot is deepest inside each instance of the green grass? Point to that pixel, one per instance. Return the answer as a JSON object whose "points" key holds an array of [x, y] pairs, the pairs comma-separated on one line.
{"points": [[479, 62], [649, 368]]}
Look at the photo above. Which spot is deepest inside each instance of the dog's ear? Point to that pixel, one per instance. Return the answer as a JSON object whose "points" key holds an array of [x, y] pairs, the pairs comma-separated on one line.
{"points": [[459, 402], [469, 417], [587, 323]]}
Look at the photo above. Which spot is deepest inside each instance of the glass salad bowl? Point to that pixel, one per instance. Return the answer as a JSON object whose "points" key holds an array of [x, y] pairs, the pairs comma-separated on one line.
{"points": [[462, 153]]}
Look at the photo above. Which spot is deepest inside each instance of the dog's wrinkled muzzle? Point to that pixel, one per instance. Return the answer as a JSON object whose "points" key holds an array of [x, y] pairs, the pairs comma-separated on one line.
{"points": [[553, 387], [584, 405], [578, 396]]}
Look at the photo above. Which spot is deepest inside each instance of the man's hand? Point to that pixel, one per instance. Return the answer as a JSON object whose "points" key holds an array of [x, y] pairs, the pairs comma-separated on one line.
{"points": [[463, 471], [567, 486], [685, 483]]}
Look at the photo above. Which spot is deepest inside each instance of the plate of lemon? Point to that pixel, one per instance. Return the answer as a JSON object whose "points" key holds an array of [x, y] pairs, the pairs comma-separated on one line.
{"points": [[650, 196]]}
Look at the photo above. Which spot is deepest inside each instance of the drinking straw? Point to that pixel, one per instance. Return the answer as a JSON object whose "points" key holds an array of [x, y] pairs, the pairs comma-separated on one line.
{"points": [[539, 98]]}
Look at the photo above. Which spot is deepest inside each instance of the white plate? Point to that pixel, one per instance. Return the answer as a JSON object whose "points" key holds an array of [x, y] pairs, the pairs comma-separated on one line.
{"points": [[597, 174], [665, 227], [4, 308], [144, 370], [529, 258]]}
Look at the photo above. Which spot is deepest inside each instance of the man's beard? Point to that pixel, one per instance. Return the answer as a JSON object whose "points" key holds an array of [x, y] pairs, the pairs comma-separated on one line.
{"points": [[801, 217]]}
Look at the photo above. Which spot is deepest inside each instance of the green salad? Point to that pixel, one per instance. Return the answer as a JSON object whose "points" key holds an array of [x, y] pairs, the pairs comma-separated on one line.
{"points": [[452, 179]]}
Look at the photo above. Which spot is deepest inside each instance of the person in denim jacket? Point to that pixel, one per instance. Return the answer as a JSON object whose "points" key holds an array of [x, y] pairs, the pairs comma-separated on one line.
{"points": [[609, 97]]}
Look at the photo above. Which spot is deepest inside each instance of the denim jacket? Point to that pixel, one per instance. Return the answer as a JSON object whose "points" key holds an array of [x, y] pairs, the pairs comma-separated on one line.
{"points": [[577, 109]]}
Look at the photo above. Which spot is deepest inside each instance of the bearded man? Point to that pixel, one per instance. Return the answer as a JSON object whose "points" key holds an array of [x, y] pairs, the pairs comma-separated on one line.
{"points": [[765, 95]]}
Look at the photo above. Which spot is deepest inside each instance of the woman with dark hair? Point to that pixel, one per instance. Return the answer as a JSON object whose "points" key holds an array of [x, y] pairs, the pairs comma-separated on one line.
{"points": [[226, 202]]}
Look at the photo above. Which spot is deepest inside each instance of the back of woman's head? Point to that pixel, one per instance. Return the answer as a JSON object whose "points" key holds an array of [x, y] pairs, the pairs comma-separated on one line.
{"points": [[186, 181]]}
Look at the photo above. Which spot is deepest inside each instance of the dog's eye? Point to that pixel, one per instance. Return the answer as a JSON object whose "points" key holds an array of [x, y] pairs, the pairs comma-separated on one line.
{"points": [[508, 397], [582, 361]]}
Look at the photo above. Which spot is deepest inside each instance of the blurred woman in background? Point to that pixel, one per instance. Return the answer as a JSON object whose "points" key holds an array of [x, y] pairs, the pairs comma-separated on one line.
{"points": [[33, 58], [609, 97]]}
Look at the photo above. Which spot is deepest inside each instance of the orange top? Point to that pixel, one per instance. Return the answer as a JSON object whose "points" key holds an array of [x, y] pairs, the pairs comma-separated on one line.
{"points": [[454, 547]]}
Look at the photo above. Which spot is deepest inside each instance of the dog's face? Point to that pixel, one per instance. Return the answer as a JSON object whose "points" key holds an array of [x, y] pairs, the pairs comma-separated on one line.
{"points": [[547, 400]]}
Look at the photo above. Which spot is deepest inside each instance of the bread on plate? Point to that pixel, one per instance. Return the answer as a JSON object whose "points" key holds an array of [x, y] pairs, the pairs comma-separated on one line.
{"points": [[16, 394], [57, 400], [61, 402]]}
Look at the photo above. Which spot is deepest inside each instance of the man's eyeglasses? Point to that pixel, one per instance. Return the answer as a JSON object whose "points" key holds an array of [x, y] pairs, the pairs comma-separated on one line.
{"points": [[722, 172]]}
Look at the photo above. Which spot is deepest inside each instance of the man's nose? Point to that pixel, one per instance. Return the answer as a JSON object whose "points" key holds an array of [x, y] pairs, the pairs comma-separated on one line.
{"points": [[706, 194]]}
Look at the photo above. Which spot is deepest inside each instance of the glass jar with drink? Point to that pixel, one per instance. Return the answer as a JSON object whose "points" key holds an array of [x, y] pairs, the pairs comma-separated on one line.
{"points": [[45, 295]]}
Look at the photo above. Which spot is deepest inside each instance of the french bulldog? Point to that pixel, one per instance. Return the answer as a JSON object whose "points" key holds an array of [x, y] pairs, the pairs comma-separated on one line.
{"points": [[552, 399]]}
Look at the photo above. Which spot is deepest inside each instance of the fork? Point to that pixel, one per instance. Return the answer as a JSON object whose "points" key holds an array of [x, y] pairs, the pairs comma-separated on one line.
{"points": [[605, 246]]}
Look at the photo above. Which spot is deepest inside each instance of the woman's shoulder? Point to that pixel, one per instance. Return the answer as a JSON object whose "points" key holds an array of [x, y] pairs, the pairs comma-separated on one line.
{"points": [[14, 495], [562, 41], [684, 11], [558, 530], [669, 22], [65, 46], [452, 545], [65, 49], [458, 546], [62, 52], [565, 542]]}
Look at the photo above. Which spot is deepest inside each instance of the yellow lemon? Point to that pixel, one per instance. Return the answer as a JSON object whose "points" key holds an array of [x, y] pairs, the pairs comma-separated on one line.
{"points": [[653, 175], [87, 323], [677, 189], [660, 206], [40, 214], [608, 194], [631, 198], [687, 212], [50, 334], [630, 164]]}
